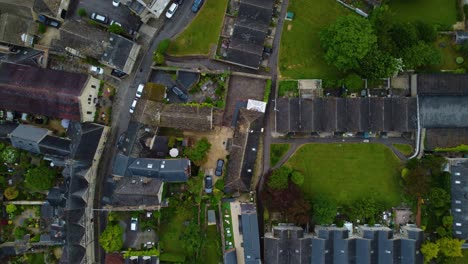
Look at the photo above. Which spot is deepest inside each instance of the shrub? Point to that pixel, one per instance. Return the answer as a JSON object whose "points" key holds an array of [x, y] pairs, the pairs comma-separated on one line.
{"points": [[11, 193], [353, 82], [159, 58], [116, 29], [20, 232], [459, 60], [11, 208], [199, 151], [82, 12], [163, 45], [41, 28], [10, 155]]}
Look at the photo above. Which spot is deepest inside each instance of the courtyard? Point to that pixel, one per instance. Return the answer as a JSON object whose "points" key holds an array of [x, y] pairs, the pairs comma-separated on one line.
{"points": [[347, 172]]}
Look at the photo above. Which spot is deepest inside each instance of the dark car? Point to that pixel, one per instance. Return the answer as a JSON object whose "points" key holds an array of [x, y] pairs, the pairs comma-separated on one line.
{"points": [[197, 4], [208, 184], [118, 74], [177, 91], [179, 2], [219, 167], [48, 21]]}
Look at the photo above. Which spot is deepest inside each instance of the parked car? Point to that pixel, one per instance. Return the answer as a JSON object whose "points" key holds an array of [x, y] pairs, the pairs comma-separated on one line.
{"points": [[116, 3], [197, 4], [177, 91], [97, 70], [208, 184], [116, 23], [100, 18], [118, 74], [180, 2], [133, 223], [48, 21], [139, 91], [219, 167], [133, 106], [172, 9]]}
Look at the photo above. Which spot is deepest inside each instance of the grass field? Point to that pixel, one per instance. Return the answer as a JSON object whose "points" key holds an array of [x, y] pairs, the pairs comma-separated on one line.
{"points": [[405, 149], [347, 172], [203, 32], [431, 11], [300, 53], [277, 151], [171, 229], [212, 246], [461, 260]]}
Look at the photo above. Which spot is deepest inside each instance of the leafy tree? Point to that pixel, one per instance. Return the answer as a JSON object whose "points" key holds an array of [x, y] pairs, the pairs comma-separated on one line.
{"points": [[404, 35], [11, 193], [438, 198], [421, 54], [159, 58], [199, 151], [116, 29], [378, 64], [417, 183], [383, 19], [20, 232], [354, 82], [10, 155], [430, 251], [279, 179], [324, 210], [441, 231], [447, 221], [40, 178], [365, 209], [426, 32], [298, 212], [111, 239], [347, 41], [11, 208], [450, 247], [82, 12], [297, 178]]}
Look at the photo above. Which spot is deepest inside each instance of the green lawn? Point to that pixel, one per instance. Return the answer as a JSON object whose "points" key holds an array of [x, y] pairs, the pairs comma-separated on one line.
{"points": [[431, 11], [36, 258], [347, 172], [212, 246], [277, 151], [300, 53], [203, 32], [449, 54], [171, 230], [405, 149], [460, 260], [288, 88]]}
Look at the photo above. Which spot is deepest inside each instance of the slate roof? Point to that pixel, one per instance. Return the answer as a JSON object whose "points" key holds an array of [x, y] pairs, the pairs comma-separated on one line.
{"points": [[41, 91], [168, 170], [230, 256], [244, 151], [177, 116], [442, 84], [287, 244], [444, 111], [137, 191], [459, 189], [250, 29], [12, 27], [345, 114], [55, 146], [445, 138], [85, 139], [121, 53], [30, 133], [250, 234], [47, 7]]}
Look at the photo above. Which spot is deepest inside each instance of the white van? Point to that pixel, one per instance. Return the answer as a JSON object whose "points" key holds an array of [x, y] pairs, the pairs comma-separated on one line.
{"points": [[139, 91], [133, 223]]}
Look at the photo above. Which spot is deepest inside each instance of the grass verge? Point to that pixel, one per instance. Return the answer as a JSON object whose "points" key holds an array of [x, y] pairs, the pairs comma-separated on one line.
{"points": [[288, 88], [203, 32], [277, 151], [405, 149], [348, 172]]}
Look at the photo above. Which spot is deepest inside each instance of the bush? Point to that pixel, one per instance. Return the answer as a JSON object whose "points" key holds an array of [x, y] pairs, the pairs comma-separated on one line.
{"points": [[82, 12], [116, 29], [163, 46], [459, 60], [9, 155], [353, 82], [41, 28], [111, 239], [159, 58], [20, 232], [199, 151], [11, 193], [11, 209]]}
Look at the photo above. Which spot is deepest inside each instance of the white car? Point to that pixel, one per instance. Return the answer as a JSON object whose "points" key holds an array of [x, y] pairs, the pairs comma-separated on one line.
{"points": [[172, 9], [115, 22], [116, 3], [139, 91], [97, 70], [132, 107]]}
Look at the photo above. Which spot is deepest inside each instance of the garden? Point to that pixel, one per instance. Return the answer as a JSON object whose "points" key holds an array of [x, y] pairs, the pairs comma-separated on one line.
{"points": [[202, 34], [210, 90], [106, 96]]}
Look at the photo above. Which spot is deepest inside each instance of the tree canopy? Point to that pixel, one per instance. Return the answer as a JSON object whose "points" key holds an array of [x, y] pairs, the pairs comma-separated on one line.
{"points": [[40, 178], [430, 251], [347, 41], [198, 152], [450, 247], [279, 179], [111, 239], [297, 178], [9, 155], [324, 210]]}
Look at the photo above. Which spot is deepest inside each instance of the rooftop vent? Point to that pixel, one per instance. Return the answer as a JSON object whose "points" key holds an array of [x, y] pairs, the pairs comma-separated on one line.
{"points": [[150, 165]]}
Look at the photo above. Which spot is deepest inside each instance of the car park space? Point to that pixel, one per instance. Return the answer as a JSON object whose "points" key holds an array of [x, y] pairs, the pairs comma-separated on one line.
{"points": [[166, 79], [120, 14]]}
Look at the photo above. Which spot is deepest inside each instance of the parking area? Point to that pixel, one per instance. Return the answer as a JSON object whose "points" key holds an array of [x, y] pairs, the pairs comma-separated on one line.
{"points": [[121, 13], [183, 80], [135, 239]]}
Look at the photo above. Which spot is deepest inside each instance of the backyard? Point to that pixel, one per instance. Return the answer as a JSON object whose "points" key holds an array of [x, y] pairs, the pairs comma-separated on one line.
{"points": [[301, 55], [346, 172], [171, 230], [212, 246], [429, 11], [202, 33]]}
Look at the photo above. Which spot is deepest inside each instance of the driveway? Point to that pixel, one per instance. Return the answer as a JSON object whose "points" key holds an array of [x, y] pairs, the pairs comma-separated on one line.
{"points": [[166, 79]]}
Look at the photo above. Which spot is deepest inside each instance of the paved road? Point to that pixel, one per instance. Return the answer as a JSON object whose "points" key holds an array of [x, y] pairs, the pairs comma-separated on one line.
{"points": [[121, 116]]}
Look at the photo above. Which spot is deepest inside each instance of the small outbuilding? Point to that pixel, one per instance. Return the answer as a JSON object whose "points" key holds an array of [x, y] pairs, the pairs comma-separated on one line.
{"points": [[211, 217]]}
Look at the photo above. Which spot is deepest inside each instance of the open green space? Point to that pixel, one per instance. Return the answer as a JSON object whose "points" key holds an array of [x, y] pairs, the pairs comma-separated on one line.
{"points": [[288, 88], [171, 230], [300, 54], [460, 260], [405, 149], [212, 246], [449, 55], [348, 172], [277, 151], [430, 11], [202, 33]]}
